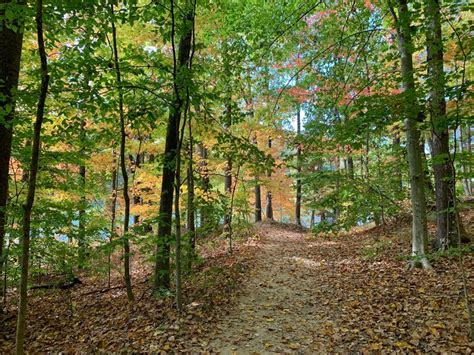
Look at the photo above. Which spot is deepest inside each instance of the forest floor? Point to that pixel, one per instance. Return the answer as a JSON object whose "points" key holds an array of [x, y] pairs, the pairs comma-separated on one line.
{"points": [[347, 293], [282, 290]]}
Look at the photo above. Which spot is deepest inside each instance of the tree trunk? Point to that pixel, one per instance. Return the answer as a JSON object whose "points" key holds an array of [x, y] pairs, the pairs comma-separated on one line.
{"points": [[398, 170], [82, 177], [10, 49], [411, 110], [162, 264], [136, 198], [30, 197], [469, 150], [228, 188], [426, 171], [258, 202], [298, 169], [258, 195], [178, 264], [113, 211], [366, 160], [123, 165], [446, 234], [190, 208], [466, 180], [269, 207], [350, 166], [204, 179]]}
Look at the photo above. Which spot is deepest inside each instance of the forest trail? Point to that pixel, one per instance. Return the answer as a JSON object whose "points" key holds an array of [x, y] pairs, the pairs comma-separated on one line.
{"points": [[349, 293], [279, 309]]}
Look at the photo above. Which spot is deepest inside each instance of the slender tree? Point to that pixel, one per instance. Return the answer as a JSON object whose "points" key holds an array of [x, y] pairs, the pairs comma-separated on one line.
{"points": [[113, 212], [123, 165], [190, 179], [258, 194], [269, 206], [82, 205], [136, 198], [30, 197], [180, 67], [203, 155], [298, 168]]}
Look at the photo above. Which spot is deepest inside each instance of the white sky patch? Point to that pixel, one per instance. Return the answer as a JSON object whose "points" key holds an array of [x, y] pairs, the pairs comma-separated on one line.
{"points": [[294, 121], [150, 49]]}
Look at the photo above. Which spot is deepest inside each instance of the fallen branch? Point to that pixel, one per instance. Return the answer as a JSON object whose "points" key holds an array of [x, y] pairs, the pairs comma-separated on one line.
{"points": [[104, 290], [61, 285]]}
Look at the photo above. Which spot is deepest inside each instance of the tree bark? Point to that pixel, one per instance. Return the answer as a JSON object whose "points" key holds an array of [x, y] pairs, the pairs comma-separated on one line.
{"points": [[398, 170], [258, 194], [411, 110], [82, 177], [228, 189], [136, 198], [469, 150], [204, 180], [298, 169], [269, 207], [446, 234], [258, 202], [467, 189], [10, 49], [190, 207], [162, 264], [30, 197], [113, 211], [123, 165]]}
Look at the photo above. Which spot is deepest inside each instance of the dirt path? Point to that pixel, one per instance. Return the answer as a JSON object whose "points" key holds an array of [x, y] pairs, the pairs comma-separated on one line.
{"points": [[276, 312], [345, 294]]}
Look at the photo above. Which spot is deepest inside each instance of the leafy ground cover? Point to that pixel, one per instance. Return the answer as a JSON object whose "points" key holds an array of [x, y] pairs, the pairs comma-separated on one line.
{"points": [[281, 290]]}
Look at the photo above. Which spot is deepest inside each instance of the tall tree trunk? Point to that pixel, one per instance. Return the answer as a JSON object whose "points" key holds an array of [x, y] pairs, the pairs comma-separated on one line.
{"points": [[82, 177], [204, 180], [446, 234], [228, 189], [136, 198], [162, 264], [337, 210], [298, 168], [424, 163], [258, 194], [190, 208], [178, 264], [469, 150], [366, 160], [30, 197], [465, 170], [350, 166], [258, 202], [113, 211], [269, 207], [411, 110], [10, 49], [398, 170], [123, 165], [313, 217]]}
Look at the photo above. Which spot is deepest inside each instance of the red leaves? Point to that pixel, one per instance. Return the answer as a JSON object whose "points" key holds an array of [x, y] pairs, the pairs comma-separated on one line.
{"points": [[318, 17]]}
